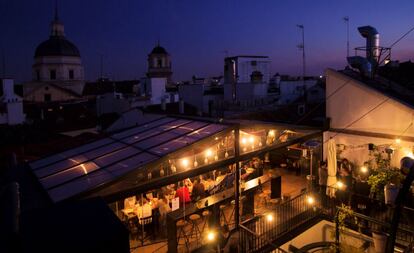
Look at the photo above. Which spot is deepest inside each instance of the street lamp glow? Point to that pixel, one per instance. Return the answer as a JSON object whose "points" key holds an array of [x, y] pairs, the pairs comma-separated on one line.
{"points": [[269, 217]]}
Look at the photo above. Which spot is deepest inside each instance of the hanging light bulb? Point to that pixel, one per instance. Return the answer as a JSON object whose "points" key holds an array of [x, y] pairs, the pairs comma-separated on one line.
{"points": [[216, 157], [206, 160], [184, 162], [251, 139], [195, 162], [398, 140], [226, 154], [243, 140], [260, 144], [208, 152]]}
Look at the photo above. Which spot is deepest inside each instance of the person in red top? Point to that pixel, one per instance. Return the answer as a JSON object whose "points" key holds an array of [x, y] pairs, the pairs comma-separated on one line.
{"points": [[183, 193]]}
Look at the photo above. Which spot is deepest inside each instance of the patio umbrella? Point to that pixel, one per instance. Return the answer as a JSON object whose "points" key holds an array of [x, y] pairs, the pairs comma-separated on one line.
{"points": [[330, 191]]}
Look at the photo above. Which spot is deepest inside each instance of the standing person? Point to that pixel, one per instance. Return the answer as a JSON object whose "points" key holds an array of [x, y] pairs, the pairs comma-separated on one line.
{"points": [[323, 179], [345, 175]]}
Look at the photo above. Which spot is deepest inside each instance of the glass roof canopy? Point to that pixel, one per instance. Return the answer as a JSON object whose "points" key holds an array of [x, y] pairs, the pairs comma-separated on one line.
{"points": [[156, 153], [84, 168]]}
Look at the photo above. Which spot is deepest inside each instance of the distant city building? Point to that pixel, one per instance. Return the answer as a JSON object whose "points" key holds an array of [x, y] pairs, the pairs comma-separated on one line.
{"points": [[11, 105], [247, 69], [57, 72], [159, 64]]}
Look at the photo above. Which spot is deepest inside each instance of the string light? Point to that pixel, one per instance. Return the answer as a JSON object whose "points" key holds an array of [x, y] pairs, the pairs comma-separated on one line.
{"points": [[251, 139], [209, 153], [184, 162], [269, 217], [310, 200], [364, 169], [211, 236], [339, 185]]}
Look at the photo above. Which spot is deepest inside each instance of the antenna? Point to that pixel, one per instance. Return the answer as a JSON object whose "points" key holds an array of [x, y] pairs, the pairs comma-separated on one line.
{"points": [[3, 63], [346, 19], [101, 67], [302, 47], [56, 10]]}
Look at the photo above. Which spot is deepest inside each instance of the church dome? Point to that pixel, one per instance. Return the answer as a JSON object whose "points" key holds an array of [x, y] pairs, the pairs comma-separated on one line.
{"points": [[159, 50], [57, 46]]}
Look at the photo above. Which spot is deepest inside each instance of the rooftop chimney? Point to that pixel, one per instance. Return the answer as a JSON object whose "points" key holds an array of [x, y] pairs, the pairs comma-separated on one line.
{"points": [[366, 66], [372, 45]]}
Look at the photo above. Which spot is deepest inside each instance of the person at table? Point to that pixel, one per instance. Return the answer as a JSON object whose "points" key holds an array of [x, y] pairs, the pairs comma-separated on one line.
{"points": [[183, 193], [189, 184], [144, 211], [208, 182], [164, 208], [198, 190], [129, 203]]}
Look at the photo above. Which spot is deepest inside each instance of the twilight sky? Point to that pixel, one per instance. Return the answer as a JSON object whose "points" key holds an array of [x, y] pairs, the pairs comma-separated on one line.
{"points": [[197, 33]]}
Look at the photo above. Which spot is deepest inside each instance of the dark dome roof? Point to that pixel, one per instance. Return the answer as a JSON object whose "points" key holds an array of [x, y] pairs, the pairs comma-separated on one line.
{"points": [[159, 50], [57, 46]]}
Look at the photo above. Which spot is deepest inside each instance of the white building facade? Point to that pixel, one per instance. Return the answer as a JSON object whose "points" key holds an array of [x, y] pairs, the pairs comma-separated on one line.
{"points": [[11, 105]]}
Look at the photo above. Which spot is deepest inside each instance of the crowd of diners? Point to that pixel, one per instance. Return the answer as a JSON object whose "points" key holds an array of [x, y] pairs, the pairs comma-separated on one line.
{"points": [[150, 210]]}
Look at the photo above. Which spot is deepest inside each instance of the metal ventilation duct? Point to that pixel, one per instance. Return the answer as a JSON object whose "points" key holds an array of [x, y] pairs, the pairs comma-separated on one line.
{"points": [[362, 64], [372, 47]]}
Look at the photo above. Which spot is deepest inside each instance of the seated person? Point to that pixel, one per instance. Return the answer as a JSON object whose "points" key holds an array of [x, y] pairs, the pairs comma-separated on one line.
{"points": [[183, 193], [189, 184], [129, 203], [208, 182], [164, 209], [198, 191], [144, 211]]}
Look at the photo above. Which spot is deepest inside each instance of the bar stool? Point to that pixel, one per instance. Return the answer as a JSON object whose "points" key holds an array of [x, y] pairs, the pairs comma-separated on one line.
{"points": [[195, 230], [233, 203], [223, 215], [181, 224], [206, 214]]}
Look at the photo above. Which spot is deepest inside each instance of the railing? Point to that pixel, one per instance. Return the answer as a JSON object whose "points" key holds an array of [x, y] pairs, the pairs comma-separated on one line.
{"points": [[260, 231]]}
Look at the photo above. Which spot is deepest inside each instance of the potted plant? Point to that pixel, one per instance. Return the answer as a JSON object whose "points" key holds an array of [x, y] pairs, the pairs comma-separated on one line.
{"points": [[380, 241], [385, 183]]}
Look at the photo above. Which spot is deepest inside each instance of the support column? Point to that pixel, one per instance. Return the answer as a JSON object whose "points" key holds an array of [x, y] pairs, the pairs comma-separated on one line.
{"points": [[237, 178]]}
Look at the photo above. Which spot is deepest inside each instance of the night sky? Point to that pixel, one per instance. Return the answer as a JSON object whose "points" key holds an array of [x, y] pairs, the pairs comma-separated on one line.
{"points": [[197, 33]]}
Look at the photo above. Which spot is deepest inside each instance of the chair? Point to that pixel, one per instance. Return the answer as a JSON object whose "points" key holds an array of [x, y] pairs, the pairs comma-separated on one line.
{"points": [[195, 230], [223, 215], [145, 226], [181, 224], [206, 214]]}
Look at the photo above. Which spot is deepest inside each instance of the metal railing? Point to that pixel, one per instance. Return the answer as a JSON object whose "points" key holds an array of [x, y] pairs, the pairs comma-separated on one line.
{"points": [[260, 231]]}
